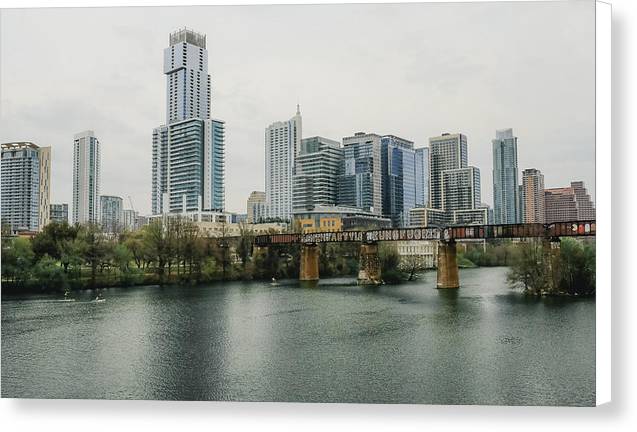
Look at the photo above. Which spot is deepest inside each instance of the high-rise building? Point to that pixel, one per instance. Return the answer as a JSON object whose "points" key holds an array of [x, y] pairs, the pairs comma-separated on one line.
{"points": [[59, 213], [446, 152], [282, 146], [188, 172], [187, 78], [568, 204], [360, 184], [45, 186], [422, 177], [316, 171], [26, 191], [111, 213], [461, 189], [533, 192], [398, 168], [86, 177], [505, 177], [521, 201], [129, 219], [160, 170], [256, 207]]}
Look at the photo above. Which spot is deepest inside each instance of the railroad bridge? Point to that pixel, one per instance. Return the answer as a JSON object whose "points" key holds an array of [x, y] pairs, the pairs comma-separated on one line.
{"points": [[447, 265]]}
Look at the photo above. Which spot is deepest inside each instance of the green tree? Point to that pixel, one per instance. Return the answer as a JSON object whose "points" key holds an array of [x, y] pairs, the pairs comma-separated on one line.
{"points": [[93, 247], [17, 260], [157, 246], [390, 263], [49, 275], [244, 247], [53, 240], [530, 268]]}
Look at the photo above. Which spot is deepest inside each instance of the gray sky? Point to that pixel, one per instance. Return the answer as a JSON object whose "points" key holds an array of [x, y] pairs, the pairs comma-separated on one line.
{"points": [[412, 70]]}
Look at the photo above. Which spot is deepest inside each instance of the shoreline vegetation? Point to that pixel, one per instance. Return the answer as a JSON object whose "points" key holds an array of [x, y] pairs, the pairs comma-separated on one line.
{"points": [[63, 258]]}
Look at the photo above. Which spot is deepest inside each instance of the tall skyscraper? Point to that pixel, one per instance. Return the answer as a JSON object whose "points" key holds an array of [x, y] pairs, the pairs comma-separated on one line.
{"points": [[568, 204], [316, 172], [188, 171], [422, 177], [360, 184], [282, 146], [86, 177], [111, 213], [187, 78], [533, 190], [256, 207], [505, 177], [398, 168], [26, 191], [446, 152]]}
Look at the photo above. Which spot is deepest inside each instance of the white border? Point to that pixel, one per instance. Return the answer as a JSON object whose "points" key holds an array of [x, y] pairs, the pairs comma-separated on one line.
{"points": [[67, 416], [603, 205]]}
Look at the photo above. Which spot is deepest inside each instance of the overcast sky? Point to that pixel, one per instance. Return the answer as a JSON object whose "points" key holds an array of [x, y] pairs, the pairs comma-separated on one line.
{"points": [[412, 70]]}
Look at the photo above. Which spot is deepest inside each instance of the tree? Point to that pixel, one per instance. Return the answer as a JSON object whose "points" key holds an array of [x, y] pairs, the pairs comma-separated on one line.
{"points": [[17, 260], [530, 268], [156, 244], [93, 247], [53, 239], [244, 248], [389, 263], [49, 274]]}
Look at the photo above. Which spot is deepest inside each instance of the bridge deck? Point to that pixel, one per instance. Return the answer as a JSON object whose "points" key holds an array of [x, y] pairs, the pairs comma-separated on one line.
{"points": [[558, 229]]}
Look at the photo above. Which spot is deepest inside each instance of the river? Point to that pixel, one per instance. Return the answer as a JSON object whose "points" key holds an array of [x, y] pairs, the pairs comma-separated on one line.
{"points": [[410, 343]]}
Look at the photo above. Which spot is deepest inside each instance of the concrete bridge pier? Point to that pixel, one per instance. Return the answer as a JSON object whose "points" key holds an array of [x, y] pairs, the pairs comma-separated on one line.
{"points": [[309, 271], [369, 265], [447, 265]]}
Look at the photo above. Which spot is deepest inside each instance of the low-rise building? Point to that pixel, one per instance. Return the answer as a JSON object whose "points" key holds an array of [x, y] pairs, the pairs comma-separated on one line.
{"points": [[337, 218], [59, 213], [568, 204], [219, 224], [417, 254]]}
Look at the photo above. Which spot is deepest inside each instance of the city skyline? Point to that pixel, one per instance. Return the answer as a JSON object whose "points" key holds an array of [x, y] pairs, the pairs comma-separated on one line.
{"points": [[243, 95]]}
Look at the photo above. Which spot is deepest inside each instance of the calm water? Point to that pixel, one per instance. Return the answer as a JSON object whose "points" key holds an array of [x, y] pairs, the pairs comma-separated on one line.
{"points": [[482, 344]]}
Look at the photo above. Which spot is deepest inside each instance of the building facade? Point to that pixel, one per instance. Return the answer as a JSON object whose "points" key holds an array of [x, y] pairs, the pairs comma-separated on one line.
{"points": [[398, 170], [86, 177], [187, 79], [316, 171], [256, 207], [446, 152], [360, 184], [533, 193], [129, 220], [417, 254], [188, 157], [568, 204], [422, 177], [26, 175], [282, 146], [461, 189], [337, 218], [111, 213], [59, 213], [505, 177]]}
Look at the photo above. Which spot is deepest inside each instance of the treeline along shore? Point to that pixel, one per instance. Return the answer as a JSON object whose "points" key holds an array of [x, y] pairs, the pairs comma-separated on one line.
{"points": [[65, 257]]}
